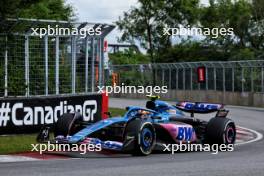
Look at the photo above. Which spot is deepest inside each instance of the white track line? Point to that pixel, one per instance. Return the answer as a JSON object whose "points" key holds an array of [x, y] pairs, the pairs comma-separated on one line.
{"points": [[12, 158], [259, 136]]}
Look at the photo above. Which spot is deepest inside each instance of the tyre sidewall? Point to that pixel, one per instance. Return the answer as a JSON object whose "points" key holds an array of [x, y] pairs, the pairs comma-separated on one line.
{"points": [[216, 132], [64, 124], [135, 128]]}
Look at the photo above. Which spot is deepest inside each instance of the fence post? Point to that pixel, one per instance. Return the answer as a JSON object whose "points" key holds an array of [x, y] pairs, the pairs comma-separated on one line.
{"points": [[206, 78], [102, 63], [57, 65], [262, 79], [214, 78], [46, 65], [163, 77], [177, 79], [6, 65], [169, 78], [27, 64], [93, 58], [156, 75], [191, 78], [251, 79], [242, 79], [73, 64], [224, 80], [141, 70], [183, 78], [99, 61], [86, 63], [233, 79]]}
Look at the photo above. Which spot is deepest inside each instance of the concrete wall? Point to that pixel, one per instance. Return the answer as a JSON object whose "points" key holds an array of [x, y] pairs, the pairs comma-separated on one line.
{"points": [[229, 98]]}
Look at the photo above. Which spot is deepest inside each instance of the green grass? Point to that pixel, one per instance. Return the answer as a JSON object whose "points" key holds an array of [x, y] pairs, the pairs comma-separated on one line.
{"points": [[117, 112], [22, 143], [16, 143]]}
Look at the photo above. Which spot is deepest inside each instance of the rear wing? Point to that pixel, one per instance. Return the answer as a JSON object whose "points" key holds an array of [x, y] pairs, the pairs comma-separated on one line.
{"points": [[199, 107]]}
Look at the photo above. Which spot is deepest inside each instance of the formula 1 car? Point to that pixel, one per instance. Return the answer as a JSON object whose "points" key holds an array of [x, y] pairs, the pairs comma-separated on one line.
{"points": [[145, 129]]}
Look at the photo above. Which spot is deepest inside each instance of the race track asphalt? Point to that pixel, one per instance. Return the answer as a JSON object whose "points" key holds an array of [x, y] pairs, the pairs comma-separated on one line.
{"points": [[246, 160]]}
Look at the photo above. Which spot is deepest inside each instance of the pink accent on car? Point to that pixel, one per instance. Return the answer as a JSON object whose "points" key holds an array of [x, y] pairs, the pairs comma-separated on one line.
{"points": [[173, 129]]}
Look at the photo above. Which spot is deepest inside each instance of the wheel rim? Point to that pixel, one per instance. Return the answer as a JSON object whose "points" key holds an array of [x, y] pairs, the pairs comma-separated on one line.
{"points": [[147, 138], [230, 135]]}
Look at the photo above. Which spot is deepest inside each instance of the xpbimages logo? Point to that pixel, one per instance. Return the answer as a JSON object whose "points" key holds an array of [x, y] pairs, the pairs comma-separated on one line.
{"points": [[193, 147], [56, 147], [43, 114], [214, 32], [147, 90], [62, 31]]}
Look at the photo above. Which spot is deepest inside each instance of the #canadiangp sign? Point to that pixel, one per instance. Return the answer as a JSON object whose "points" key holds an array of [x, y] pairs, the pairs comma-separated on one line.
{"points": [[27, 115]]}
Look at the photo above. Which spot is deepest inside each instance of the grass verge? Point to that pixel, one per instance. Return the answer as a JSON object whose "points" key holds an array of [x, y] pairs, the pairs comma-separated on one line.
{"points": [[16, 143], [117, 112], [22, 143]]}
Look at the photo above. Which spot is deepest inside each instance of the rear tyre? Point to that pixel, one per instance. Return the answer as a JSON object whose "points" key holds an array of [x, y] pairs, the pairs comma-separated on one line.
{"points": [[220, 131], [144, 137], [64, 125]]}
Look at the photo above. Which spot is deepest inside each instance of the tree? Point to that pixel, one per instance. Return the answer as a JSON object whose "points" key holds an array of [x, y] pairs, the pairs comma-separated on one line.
{"points": [[141, 24], [11, 8], [128, 56], [40, 9], [245, 17], [146, 22]]}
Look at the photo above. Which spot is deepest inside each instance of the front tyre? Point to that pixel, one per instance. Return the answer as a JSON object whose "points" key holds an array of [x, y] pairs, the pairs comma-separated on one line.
{"points": [[144, 137], [64, 125]]}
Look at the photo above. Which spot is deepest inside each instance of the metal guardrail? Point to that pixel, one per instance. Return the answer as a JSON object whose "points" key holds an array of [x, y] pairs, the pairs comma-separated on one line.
{"points": [[236, 76]]}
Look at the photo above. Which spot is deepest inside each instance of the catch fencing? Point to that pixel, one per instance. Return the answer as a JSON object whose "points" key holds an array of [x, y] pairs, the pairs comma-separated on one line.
{"points": [[50, 65], [233, 76]]}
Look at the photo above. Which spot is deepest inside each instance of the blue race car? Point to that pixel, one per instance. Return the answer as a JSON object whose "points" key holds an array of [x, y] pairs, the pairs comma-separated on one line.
{"points": [[145, 129]]}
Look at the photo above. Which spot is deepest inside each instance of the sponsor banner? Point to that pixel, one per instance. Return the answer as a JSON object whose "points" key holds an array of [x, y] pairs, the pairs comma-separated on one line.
{"points": [[201, 74], [27, 115]]}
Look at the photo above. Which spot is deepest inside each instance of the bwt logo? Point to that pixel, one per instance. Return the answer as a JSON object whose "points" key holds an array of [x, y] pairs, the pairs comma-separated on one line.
{"points": [[185, 133], [44, 114]]}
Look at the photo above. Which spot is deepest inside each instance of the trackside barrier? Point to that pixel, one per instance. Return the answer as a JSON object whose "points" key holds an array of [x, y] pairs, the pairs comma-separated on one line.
{"points": [[28, 115], [105, 103], [229, 98]]}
